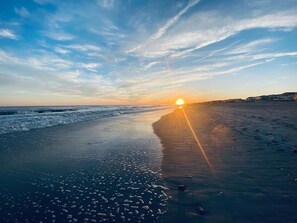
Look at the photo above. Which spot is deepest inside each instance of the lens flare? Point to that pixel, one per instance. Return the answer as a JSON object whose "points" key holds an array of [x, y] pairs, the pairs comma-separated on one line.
{"points": [[198, 142]]}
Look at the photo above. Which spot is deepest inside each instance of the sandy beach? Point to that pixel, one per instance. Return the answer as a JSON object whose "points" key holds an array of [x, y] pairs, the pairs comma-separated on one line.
{"points": [[252, 151]]}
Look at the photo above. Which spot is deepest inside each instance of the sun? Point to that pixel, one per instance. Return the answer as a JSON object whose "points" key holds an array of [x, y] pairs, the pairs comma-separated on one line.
{"points": [[180, 102]]}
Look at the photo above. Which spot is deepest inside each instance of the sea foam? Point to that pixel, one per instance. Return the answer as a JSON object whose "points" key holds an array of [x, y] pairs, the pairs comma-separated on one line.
{"points": [[13, 119]]}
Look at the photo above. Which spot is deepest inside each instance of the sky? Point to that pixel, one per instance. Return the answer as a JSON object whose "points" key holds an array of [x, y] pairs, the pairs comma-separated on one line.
{"points": [[94, 52]]}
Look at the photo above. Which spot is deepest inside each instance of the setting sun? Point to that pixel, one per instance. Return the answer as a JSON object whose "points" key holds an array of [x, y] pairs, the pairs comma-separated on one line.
{"points": [[180, 102]]}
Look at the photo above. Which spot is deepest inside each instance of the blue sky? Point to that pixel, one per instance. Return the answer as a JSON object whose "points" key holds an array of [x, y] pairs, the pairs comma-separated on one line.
{"points": [[145, 52]]}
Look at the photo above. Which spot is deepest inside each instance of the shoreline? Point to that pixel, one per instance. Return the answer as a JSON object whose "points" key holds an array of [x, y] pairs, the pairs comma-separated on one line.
{"points": [[19, 119], [101, 171], [253, 159]]}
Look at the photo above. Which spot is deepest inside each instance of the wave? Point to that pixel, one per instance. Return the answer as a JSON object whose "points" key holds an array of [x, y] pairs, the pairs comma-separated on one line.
{"points": [[13, 119]]}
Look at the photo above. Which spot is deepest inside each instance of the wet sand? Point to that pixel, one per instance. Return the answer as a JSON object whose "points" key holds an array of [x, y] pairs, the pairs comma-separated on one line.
{"points": [[106, 170], [252, 148]]}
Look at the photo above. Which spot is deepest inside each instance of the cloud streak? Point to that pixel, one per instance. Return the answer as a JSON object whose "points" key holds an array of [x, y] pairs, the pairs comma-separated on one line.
{"points": [[162, 30], [60, 36], [22, 12], [173, 20], [6, 33], [202, 29]]}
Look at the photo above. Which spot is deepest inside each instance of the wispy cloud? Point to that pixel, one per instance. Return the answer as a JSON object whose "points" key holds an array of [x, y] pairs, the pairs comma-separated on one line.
{"points": [[253, 46], [108, 4], [83, 47], [22, 12], [58, 76], [173, 20], [61, 50], [205, 28], [91, 66], [256, 56], [6, 33], [49, 62], [169, 80], [111, 33], [59, 36], [162, 30], [150, 65]]}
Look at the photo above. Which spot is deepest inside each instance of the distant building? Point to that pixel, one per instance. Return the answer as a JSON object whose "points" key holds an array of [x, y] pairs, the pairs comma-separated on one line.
{"points": [[288, 96]]}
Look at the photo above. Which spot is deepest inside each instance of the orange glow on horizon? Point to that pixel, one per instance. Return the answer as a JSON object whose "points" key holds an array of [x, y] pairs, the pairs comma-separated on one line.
{"points": [[76, 100]]}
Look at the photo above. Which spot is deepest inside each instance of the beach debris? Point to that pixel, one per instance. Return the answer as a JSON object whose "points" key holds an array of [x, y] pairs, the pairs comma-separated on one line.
{"points": [[201, 211], [182, 187]]}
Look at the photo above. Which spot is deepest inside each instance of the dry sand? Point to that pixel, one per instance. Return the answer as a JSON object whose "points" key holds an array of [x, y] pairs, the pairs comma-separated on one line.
{"points": [[252, 148]]}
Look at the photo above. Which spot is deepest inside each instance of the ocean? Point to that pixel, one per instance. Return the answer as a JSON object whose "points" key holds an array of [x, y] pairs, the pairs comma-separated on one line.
{"points": [[24, 118], [103, 170]]}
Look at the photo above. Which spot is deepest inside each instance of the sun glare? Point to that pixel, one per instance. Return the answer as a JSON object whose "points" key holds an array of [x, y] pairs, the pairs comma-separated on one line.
{"points": [[180, 102]]}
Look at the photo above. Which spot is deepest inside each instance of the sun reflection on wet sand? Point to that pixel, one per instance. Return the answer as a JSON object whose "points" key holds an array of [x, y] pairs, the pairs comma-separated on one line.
{"points": [[197, 140]]}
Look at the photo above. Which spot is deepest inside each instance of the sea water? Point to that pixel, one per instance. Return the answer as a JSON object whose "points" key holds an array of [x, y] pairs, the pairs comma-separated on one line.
{"points": [[24, 118], [106, 170]]}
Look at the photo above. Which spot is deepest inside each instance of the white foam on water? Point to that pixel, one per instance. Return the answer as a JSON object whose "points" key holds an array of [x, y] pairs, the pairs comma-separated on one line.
{"points": [[14, 119]]}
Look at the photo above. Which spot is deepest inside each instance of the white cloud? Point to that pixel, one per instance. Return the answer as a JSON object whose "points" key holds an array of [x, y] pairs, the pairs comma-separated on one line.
{"points": [[22, 12], [256, 56], [43, 61], [253, 46], [273, 55], [173, 20], [61, 50], [50, 74], [83, 47], [91, 66], [6, 33], [162, 30], [169, 80], [109, 31], [60, 36], [150, 65], [108, 4], [205, 28], [49, 62]]}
